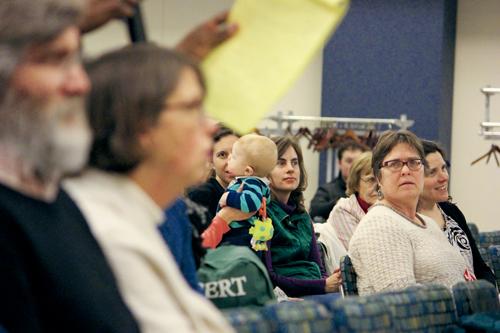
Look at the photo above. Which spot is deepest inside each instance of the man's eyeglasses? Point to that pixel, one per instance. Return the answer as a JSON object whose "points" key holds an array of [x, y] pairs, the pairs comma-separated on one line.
{"points": [[413, 164]]}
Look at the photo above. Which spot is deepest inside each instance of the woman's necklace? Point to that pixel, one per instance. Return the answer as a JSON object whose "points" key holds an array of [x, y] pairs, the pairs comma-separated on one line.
{"points": [[397, 211]]}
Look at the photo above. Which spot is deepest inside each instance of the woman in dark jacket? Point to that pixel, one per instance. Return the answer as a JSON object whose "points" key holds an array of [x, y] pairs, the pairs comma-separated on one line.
{"points": [[205, 197], [209, 193], [435, 204]]}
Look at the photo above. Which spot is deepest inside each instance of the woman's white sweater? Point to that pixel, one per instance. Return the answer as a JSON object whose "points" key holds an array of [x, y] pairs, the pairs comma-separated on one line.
{"points": [[389, 252]]}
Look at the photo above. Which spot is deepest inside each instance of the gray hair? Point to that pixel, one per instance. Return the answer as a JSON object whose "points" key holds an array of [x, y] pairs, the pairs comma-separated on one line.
{"points": [[27, 22]]}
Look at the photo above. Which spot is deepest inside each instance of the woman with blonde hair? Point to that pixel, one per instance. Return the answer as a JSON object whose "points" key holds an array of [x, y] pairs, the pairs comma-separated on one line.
{"points": [[361, 188]]}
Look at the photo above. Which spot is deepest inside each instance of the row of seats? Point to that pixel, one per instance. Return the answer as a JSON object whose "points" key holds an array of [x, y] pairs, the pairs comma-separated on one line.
{"points": [[491, 256], [425, 308], [428, 308], [484, 239], [489, 248], [489, 238]]}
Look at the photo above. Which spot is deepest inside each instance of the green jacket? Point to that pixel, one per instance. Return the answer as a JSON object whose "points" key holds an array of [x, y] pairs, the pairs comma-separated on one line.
{"points": [[291, 246]]}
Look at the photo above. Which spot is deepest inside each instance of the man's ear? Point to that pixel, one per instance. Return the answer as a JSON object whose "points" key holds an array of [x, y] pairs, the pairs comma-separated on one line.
{"points": [[249, 171]]}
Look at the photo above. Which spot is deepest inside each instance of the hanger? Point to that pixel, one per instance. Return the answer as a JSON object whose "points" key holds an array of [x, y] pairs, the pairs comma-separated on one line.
{"points": [[326, 140], [351, 135], [371, 138], [494, 150], [303, 132], [316, 137]]}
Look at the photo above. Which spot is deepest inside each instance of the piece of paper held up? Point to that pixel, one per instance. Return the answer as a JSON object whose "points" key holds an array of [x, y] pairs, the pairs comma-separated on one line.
{"points": [[247, 75]]}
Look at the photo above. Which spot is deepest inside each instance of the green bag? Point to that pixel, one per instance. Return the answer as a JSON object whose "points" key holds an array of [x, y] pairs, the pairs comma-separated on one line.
{"points": [[233, 276]]}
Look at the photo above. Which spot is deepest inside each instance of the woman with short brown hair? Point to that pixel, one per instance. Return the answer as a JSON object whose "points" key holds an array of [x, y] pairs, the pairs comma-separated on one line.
{"points": [[394, 247], [151, 141]]}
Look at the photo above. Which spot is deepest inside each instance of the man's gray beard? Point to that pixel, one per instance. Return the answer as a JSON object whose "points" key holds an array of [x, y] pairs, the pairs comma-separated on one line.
{"points": [[47, 148]]}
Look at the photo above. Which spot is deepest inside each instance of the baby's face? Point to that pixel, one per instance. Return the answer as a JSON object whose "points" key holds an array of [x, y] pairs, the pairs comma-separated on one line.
{"points": [[237, 165]]}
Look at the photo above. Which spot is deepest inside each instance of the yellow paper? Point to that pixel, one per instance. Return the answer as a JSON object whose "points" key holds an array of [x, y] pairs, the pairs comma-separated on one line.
{"points": [[276, 41]]}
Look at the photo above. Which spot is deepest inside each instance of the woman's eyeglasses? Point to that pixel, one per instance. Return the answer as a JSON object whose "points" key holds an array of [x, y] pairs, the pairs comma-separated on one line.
{"points": [[194, 105], [369, 179], [413, 164]]}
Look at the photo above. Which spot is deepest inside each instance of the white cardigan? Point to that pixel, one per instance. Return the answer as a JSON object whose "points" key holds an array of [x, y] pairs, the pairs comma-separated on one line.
{"points": [[390, 252], [344, 218], [125, 220], [334, 250]]}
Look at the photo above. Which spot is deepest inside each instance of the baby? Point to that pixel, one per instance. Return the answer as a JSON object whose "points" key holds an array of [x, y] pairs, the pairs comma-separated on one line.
{"points": [[252, 158]]}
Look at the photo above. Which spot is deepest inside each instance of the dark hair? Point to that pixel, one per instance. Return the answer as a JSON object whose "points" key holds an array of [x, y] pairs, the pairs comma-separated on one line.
{"points": [[350, 145], [388, 140], [297, 195], [222, 132], [129, 90], [432, 147]]}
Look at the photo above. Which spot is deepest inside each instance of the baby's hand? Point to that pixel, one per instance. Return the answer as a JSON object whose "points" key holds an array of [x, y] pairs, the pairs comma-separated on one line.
{"points": [[223, 200]]}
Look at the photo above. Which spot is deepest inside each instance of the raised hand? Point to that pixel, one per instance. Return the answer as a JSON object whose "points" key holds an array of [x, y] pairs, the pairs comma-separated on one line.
{"points": [[207, 36]]}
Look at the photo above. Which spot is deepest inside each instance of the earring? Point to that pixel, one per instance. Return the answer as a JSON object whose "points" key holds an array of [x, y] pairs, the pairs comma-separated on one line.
{"points": [[380, 195]]}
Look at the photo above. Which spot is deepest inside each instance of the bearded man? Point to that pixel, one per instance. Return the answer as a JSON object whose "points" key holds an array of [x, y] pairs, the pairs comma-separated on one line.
{"points": [[53, 274]]}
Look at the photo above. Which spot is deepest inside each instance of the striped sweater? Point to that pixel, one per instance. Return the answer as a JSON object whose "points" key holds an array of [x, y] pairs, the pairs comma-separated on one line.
{"points": [[246, 194]]}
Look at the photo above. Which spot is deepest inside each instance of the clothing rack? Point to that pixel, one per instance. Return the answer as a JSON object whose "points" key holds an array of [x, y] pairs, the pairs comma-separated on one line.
{"points": [[489, 129], [286, 121]]}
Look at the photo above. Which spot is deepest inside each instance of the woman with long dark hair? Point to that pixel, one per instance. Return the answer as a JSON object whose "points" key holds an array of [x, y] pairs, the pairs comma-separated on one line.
{"points": [[209, 193], [293, 259], [434, 202]]}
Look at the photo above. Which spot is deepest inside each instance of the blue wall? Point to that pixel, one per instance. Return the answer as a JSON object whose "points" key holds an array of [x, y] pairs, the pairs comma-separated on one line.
{"points": [[390, 57]]}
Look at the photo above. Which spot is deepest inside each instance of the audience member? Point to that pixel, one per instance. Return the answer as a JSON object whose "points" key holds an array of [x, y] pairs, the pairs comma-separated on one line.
{"points": [[205, 197], [334, 236], [361, 188], [293, 258], [209, 193], [435, 203], [54, 276], [151, 141], [393, 246], [328, 194], [252, 158]]}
